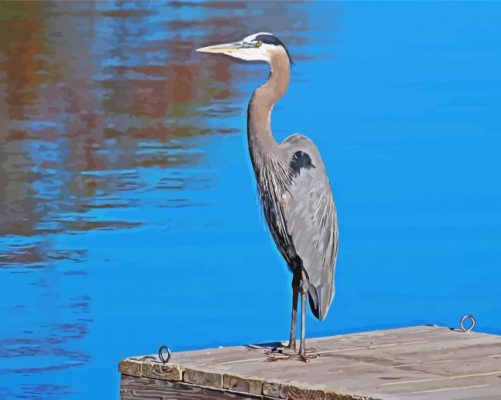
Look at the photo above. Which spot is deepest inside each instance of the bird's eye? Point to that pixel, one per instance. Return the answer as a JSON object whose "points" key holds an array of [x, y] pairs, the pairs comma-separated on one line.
{"points": [[259, 43]]}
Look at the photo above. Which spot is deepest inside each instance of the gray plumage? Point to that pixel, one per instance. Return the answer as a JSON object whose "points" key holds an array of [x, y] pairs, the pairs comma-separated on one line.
{"points": [[293, 185], [298, 205]]}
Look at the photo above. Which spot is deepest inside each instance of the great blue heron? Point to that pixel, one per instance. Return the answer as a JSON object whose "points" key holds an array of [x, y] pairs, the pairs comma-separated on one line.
{"points": [[293, 185]]}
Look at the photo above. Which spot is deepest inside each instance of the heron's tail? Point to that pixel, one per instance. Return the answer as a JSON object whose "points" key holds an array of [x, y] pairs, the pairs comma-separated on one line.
{"points": [[320, 298]]}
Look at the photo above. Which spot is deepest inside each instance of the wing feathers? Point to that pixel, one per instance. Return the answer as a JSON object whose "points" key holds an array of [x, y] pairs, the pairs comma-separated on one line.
{"points": [[311, 220]]}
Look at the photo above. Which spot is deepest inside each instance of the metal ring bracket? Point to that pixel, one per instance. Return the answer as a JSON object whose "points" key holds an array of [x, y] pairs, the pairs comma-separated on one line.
{"points": [[161, 351], [465, 318]]}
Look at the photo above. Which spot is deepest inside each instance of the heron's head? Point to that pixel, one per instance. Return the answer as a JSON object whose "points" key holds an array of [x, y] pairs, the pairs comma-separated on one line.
{"points": [[261, 46]]}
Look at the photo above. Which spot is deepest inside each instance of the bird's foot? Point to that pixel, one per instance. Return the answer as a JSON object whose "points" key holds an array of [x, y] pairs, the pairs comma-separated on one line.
{"points": [[281, 349], [278, 356], [282, 353], [287, 353], [308, 355]]}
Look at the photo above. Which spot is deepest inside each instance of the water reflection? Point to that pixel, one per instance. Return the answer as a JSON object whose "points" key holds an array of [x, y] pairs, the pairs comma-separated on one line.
{"points": [[104, 110], [89, 103]]}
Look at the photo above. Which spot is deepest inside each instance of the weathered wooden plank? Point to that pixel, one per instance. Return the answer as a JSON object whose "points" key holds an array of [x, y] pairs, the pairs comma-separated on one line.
{"points": [[168, 372], [457, 388], [203, 378], [133, 388], [239, 383], [130, 367], [272, 389], [410, 363]]}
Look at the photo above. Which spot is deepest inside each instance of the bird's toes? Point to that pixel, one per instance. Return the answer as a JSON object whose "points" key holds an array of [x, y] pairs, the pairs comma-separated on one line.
{"points": [[308, 355], [278, 356]]}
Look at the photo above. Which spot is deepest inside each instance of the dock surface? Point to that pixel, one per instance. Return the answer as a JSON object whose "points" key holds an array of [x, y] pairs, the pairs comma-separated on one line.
{"points": [[424, 362]]}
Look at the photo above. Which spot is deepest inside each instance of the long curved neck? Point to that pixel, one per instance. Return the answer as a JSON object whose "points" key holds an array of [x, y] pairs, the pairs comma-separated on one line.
{"points": [[260, 137]]}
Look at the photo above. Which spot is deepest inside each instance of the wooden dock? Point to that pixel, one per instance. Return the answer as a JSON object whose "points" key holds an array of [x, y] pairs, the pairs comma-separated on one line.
{"points": [[421, 362]]}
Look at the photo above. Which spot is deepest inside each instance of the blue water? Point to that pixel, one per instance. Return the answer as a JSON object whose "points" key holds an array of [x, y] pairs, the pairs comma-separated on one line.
{"points": [[128, 208]]}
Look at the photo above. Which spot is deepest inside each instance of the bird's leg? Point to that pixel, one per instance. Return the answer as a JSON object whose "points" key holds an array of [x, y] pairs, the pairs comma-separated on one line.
{"points": [[285, 353], [295, 296], [304, 290]]}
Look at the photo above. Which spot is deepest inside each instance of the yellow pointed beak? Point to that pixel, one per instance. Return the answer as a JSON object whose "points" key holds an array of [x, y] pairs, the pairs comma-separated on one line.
{"points": [[225, 48]]}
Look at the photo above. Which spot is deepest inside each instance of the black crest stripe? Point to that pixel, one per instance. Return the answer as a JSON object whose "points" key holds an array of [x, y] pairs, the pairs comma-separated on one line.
{"points": [[273, 40]]}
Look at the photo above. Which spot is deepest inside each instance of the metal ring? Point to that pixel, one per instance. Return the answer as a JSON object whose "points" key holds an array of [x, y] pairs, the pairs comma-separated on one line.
{"points": [[473, 322], [161, 351]]}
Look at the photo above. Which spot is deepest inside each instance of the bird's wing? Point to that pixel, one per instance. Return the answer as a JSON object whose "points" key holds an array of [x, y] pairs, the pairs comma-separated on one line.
{"points": [[312, 220]]}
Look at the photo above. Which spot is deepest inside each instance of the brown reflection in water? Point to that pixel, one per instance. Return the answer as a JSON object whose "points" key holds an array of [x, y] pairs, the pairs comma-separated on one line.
{"points": [[93, 97], [36, 255], [21, 46], [86, 85]]}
